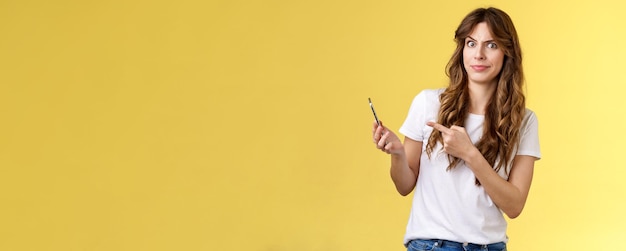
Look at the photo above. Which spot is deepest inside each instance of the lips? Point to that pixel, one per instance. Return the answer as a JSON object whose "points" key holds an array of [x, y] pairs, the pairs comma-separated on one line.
{"points": [[479, 68]]}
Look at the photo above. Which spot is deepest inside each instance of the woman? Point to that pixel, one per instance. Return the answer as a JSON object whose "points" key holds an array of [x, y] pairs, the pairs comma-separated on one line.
{"points": [[469, 149]]}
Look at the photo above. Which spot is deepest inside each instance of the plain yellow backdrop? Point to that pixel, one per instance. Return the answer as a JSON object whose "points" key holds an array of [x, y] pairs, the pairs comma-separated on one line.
{"points": [[244, 125]]}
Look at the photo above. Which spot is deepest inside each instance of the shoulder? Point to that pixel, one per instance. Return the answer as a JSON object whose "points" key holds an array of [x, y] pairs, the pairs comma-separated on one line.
{"points": [[430, 95], [432, 92], [529, 116], [529, 123]]}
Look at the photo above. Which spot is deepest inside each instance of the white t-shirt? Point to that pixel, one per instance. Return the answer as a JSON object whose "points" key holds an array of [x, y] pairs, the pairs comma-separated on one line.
{"points": [[449, 205]]}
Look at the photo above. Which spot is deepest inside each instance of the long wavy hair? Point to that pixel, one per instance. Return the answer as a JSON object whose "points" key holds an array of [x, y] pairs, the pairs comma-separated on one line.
{"points": [[505, 110]]}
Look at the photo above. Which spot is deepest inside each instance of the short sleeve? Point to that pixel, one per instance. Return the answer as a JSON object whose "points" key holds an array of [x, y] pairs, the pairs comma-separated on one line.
{"points": [[529, 136], [418, 114]]}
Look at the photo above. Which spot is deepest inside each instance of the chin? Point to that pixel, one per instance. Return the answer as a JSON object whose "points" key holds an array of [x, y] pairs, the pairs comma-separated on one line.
{"points": [[482, 81]]}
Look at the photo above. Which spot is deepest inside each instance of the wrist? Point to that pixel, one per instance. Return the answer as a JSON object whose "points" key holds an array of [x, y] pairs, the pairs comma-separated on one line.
{"points": [[472, 155], [398, 153]]}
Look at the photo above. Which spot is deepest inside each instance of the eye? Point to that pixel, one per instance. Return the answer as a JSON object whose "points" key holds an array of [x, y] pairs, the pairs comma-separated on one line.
{"points": [[471, 43], [492, 46]]}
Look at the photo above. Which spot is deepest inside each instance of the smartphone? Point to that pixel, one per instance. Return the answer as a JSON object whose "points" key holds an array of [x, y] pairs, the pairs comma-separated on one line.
{"points": [[373, 111]]}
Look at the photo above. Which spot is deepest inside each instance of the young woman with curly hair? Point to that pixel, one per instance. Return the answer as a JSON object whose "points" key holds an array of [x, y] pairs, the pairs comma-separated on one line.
{"points": [[469, 149]]}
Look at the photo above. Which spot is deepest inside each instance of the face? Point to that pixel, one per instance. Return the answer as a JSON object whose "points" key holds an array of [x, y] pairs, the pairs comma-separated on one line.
{"points": [[482, 56]]}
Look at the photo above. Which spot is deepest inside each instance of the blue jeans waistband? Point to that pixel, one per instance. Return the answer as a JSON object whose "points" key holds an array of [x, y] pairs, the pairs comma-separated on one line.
{"points": [[499, 246]]}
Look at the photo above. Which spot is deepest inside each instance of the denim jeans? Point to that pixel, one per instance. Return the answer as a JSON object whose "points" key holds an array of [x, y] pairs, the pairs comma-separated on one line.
{"points": [[443, 245]]}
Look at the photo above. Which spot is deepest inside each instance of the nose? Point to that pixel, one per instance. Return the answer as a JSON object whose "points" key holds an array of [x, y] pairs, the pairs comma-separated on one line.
{"points": [[479, 53]]}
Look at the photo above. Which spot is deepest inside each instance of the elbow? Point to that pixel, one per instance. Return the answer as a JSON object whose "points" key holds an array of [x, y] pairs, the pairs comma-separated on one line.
{"points": [[513, 213], [404, 191], [404, 186]]}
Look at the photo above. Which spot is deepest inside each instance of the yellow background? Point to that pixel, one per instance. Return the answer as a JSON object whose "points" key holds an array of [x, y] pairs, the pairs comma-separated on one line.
{"points": [[243, 125]]}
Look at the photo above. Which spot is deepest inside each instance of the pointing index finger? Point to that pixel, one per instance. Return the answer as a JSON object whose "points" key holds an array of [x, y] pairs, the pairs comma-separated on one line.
{"points": [[438, 126]]}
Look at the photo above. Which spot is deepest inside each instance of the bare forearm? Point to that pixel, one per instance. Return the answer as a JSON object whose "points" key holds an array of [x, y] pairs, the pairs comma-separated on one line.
{"points": [[509, 198], [402, 175]]}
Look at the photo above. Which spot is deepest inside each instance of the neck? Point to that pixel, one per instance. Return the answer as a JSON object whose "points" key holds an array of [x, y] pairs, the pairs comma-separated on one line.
{"points": [[480, 94]]}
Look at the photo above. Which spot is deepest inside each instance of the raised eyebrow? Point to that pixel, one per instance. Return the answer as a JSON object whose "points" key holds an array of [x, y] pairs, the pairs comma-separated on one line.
{"points": [[488, 41]]}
